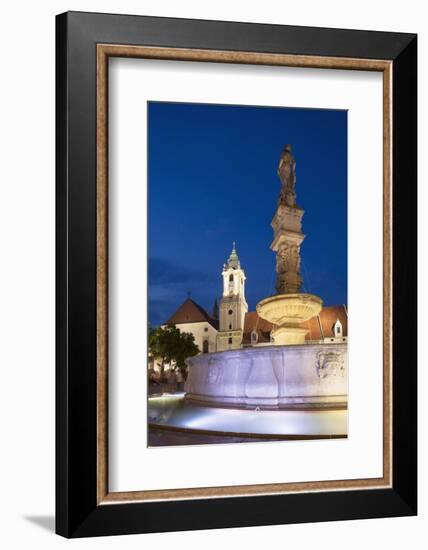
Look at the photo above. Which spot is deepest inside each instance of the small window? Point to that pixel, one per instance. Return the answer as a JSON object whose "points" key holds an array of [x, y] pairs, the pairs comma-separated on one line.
{"points": [[206, 329], [337, 329], [205, 346], [230, 341], [254, 337], [230, 326], [231, 278], [230, 311]]}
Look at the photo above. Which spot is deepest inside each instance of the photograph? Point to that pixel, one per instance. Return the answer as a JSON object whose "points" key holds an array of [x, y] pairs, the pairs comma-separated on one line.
{"points": [[247, 273]]}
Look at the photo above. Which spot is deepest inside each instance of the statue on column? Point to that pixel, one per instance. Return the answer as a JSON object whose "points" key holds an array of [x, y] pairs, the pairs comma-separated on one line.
{"points": [[287, 175]]}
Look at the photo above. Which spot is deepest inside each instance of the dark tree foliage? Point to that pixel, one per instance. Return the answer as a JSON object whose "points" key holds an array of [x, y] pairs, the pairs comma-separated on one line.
{"points": [[172, 346]]}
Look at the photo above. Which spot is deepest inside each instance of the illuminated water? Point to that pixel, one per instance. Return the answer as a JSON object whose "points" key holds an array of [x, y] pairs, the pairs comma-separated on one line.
{"points": [[170, 410]]}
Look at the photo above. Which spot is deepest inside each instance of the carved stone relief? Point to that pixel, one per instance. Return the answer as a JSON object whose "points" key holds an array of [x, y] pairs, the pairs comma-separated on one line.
{"points": [[330, 364]]}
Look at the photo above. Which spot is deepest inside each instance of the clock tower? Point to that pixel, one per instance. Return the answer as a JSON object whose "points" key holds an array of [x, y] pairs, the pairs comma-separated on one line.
{"points": [[233, 305]]}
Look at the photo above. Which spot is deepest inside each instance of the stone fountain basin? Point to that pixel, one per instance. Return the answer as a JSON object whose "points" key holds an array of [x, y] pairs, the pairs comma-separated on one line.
{"points": [[271, 377], [281, 309]]}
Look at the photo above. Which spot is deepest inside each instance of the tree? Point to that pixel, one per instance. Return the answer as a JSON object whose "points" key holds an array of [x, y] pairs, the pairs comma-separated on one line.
{"points": [[186, 348], [154, 350], [172, 346]]}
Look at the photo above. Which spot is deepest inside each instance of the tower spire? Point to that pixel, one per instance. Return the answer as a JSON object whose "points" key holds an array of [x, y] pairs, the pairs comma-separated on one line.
{"points": [[233, 260]]}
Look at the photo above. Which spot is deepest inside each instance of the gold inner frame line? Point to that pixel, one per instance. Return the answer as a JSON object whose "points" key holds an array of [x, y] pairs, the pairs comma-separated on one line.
{"points": [[104, 51]]}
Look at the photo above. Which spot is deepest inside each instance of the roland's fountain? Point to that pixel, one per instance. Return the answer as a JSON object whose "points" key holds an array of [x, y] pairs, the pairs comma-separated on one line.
{"points": [[289, 308], [295, 388]]}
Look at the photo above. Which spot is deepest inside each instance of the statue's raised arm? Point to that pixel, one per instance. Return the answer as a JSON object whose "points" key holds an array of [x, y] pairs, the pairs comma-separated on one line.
{"points": [[287, 175]]}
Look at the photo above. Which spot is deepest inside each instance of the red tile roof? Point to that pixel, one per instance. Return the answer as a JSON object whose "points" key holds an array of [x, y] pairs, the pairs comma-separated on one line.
{"points": [[262, 327], [327, 318], [191, 312], [319, 327]]}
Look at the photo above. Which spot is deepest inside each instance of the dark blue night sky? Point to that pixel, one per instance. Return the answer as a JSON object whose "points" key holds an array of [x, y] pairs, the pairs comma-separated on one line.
{"points": [[212, 180]]}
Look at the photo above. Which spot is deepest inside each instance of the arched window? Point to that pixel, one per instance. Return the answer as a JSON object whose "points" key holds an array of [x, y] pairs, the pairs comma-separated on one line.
{"points": [[254, 337], [205, 346], [230, 326], [231, 277]]}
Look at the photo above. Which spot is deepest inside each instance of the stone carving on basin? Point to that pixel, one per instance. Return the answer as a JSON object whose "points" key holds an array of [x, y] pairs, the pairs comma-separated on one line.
{"points": [[330, 364], [313, 376]]}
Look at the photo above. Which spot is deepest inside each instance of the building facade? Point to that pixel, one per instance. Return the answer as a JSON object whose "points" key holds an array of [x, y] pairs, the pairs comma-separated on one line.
{"points": [[191, 317]]}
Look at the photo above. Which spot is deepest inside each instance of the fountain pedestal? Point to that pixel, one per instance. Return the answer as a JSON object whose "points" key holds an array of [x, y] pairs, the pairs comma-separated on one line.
{"points": [[288, 311]]}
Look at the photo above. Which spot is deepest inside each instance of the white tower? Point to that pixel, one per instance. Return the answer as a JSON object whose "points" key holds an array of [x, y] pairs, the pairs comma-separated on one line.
{"points": [[233, 305]]}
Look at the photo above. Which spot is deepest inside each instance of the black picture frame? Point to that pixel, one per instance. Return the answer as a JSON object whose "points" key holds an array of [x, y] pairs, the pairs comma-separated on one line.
{"points": [[77, 511]]}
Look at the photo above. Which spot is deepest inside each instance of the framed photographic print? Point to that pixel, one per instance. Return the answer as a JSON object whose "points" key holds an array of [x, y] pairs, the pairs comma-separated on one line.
{"points": [[236, 274]]}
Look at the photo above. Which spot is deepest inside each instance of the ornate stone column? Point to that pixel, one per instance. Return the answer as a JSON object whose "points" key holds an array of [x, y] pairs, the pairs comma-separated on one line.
{"points": [[289, 307], [288, 236]]}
